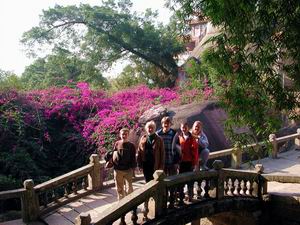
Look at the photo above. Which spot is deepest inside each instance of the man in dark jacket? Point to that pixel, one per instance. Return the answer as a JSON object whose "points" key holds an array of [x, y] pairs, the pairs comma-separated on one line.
{"points": [[124, 162]]}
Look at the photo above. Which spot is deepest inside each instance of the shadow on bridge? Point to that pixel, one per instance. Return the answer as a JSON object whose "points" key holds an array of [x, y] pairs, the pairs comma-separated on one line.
{"points": [[194, 212]]}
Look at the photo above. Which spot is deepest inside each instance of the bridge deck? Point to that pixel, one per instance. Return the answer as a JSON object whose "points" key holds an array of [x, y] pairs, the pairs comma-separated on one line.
{"points": [[287, 163], [94, 204]]}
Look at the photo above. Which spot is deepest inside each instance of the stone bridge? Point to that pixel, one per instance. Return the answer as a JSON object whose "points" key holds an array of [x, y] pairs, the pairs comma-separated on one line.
{"points": [[74, 198]]}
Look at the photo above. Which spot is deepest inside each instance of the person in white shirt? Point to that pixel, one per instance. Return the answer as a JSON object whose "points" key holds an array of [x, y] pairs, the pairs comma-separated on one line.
{"points": [[203, 143]]}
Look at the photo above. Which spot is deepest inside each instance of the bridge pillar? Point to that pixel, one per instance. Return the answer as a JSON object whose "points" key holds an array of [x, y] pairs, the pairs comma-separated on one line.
{"points": [[83, 219], [297, 139], [94, 178], [29, 201], [236, 156], [262, 184], [272, 139], [161, 197], [218, 165]]}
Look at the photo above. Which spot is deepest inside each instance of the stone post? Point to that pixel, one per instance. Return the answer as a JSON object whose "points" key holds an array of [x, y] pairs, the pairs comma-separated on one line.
{"points": [[272, 139], [94, 179], [161, 193], [218, 165], [297, 139], [83, 219], [29, 201], [236, 156], [262, 183]]}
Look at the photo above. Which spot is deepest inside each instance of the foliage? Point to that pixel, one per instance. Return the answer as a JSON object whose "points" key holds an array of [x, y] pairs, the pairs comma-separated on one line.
{"points": [[60, 68], [103, 34], [9, 80], [130, 76], [258, 43], [45, 133], [139, 72]]}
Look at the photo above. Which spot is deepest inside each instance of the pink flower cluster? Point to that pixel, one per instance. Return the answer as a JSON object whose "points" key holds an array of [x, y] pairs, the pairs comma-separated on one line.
{"points": [[95, 115]]}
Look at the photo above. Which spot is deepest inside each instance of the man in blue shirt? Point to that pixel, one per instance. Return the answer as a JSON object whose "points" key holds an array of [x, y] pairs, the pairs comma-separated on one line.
{"points": [[171, 156]]}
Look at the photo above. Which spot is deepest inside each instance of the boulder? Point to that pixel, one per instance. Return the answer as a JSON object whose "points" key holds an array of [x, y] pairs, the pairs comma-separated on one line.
{"points": [[155, 113], [209, 112]]}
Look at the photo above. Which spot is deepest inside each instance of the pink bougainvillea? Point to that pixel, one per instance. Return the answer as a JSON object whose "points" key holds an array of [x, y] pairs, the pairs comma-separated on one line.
{"points": [[95, 115]]}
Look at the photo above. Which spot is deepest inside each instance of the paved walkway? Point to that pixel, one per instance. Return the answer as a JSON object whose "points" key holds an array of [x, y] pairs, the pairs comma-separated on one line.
{"points": [[288, 163]]}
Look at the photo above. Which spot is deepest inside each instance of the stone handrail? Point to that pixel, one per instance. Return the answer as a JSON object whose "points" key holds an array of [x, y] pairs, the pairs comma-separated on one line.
{"points": [[275, 141], [237, 151], [209, 185], [17, 193], [186, 177], [58, 181], [129, 203], [282, 178]]}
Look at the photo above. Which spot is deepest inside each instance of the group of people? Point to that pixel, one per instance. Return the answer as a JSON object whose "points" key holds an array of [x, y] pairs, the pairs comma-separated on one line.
{"points": [[165, 149]]}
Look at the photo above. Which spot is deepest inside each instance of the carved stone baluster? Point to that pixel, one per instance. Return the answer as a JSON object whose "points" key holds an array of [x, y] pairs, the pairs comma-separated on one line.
{"points": [[134, 216], [54, 196], [45, 199], [122, 222], [230, 187], [206, 189], [190, 189], [181, 195], [199, 189], [172, 198], [248, 188], [255, 189], [225, 187], [236, 187], [243, 186], [84, 183], [66, 191], [146, 210], [74, 186]]}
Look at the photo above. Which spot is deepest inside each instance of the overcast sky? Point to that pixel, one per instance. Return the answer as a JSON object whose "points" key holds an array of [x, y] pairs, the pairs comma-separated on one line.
{"points": [[18, 16]]}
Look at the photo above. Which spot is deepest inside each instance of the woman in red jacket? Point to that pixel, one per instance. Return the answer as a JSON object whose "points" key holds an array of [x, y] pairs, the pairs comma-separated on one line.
{"points": [[189, 153]]}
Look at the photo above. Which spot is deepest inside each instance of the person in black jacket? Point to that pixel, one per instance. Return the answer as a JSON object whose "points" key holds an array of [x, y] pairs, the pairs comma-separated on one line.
{"points": [[124, 163]]}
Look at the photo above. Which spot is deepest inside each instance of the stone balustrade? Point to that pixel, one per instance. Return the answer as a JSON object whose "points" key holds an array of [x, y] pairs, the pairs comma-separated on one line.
{"points": [[37, 200], [237, 151], [170, 193]]}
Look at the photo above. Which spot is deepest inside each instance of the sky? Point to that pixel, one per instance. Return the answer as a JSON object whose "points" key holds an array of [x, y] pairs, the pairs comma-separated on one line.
{"points": [[17, 16]]}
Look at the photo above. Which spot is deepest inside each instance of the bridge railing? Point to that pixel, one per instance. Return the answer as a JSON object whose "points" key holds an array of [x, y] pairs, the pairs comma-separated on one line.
{"points": [[178, 191], [237, 151], [37, 200]]}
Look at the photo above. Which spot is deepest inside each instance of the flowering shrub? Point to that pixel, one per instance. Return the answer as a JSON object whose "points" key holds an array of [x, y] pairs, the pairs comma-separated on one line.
{"points": [[58, 128]]}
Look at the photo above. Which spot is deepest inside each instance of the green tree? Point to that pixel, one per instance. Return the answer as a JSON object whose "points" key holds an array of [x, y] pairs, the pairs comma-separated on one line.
{"points": [[9, 80], [59, 68], [258, 44], [105, 33]]}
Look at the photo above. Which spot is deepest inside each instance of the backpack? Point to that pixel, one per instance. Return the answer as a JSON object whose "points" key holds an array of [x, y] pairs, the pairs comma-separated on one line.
{"points": [[108, 157]]}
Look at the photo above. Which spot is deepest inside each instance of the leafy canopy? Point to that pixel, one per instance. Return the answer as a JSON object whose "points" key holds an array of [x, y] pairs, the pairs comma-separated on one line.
{"points": [[9, 80], [105, 33], [61, 68], [257, 48]]}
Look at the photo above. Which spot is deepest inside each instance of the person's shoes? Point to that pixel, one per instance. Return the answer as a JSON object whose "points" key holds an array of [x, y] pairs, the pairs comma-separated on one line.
{"points": [[204, 168]]}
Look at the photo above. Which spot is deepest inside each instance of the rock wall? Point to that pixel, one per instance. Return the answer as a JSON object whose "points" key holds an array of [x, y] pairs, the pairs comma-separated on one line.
{"points": [[208, 112]]}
